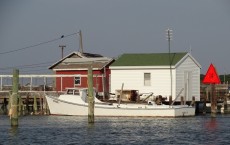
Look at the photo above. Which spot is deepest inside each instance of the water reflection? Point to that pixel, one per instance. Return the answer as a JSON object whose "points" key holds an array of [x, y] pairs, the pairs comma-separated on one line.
{"points": [[211, 125], [91, 126], [13, 130]]}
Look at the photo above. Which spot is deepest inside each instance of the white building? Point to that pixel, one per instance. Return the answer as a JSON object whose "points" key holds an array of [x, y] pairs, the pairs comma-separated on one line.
{"points": [[153, 73]]}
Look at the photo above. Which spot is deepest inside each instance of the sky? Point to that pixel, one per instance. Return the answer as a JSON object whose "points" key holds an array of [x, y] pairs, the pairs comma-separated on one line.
{"points": [[31, 30]]}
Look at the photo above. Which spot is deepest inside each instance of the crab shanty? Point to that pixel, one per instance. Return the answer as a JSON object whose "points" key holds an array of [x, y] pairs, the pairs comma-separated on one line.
{"points": [[153, 72]]}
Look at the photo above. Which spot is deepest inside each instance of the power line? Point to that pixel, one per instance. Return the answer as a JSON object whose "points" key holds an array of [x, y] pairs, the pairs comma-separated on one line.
{"points": [[43, 64], [23, 48], [35, 70], [26, 71]]}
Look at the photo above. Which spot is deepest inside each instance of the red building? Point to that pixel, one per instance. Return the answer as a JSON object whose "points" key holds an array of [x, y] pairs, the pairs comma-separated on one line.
{"points": [[73, 70]]}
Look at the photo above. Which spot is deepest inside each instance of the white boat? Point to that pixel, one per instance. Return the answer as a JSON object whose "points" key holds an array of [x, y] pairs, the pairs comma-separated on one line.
{"points": [[74, 102]]}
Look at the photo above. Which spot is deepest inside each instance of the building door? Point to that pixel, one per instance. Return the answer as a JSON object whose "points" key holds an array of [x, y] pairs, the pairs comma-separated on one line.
{"points": [[187, 86]]}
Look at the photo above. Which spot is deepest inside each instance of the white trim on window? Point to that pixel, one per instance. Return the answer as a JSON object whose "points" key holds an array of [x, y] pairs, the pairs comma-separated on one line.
{"points": [[77, 81], [147, 79]]}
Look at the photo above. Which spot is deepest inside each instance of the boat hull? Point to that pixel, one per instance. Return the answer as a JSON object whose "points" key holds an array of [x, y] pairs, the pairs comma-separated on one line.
{"points": [[60, 107]]}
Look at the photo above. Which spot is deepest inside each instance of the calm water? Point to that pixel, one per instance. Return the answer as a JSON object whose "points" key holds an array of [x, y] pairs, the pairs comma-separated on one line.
{"points": [[117, 130]]}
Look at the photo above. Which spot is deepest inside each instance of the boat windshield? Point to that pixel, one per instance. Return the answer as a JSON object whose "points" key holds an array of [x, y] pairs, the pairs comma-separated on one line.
{"points": [[73, 92]]}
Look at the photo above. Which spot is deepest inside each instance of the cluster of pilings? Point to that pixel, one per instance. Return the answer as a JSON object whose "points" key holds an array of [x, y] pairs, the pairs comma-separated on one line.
{"points": [[28, 104], [14, 105], [211, 100]]}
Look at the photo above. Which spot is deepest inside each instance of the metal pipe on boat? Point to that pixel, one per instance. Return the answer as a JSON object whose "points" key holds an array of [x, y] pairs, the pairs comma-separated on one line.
{"points": [[119, 101], [177, 96]]}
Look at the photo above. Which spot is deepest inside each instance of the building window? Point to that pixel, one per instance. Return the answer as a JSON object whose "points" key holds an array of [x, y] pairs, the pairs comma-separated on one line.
{"points": [[77, 81], [147, 79]]}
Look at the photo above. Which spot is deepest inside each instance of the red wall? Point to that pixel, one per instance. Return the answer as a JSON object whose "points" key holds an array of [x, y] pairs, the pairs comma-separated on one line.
{"points": [[69, 81]]}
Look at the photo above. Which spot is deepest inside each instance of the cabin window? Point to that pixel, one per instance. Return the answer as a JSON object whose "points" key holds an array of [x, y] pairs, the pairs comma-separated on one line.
{"points": [[76, 92], [77, 81], [147, 78], [70, 92]]}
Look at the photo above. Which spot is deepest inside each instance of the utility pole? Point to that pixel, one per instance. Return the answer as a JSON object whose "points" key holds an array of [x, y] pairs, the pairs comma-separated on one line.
{"points": [[62, 50], [81, 43], [169, 38]]}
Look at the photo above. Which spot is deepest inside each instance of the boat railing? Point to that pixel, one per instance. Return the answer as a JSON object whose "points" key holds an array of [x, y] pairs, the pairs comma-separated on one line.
{"points": [[147, 97], [177, 96]]}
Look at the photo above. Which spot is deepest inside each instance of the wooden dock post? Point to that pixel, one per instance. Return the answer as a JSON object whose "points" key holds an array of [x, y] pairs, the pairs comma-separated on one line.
{"points": [[46, 108], [225, 105], [13, 112], [193, 102], [205, 99], [20, 105], [9, 103], [170, 100], [26, 111], [213, 101], [90, 96], [41, 104], [35, 106], [4, 106]]}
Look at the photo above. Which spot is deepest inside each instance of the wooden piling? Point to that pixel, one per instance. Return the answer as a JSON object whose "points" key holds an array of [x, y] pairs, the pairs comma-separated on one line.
{"points": [[45, 106], [213, 101], [13, 113], [4, 106], [193, 101], [20, 105], [205, 99], [41, 104], [27, 103], [9, 103], [170, 100], [225, 105], [90, 96], [35, 106]]}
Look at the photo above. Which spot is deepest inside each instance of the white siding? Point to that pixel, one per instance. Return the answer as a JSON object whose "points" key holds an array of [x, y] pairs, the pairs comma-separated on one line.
{"points": [[134, 79], [188, 65]]}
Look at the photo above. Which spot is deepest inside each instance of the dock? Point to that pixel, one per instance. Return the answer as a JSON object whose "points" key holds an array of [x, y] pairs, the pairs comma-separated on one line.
{"points": [[33, 102], [32, 90]]}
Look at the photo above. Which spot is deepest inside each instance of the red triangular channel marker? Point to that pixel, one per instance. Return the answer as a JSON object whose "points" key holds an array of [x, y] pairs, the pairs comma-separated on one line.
{"points": [[211, 76]]}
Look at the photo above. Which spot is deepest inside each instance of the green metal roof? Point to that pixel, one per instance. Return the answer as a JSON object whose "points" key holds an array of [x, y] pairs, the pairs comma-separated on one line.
{"points": [[149, 59]]}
